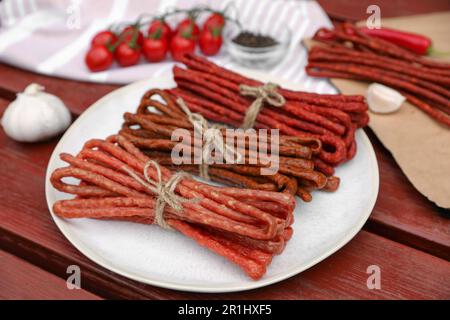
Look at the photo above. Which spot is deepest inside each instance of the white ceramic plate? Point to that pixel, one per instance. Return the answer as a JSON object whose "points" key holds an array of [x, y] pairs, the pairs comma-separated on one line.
{"points": [[167, 259]]}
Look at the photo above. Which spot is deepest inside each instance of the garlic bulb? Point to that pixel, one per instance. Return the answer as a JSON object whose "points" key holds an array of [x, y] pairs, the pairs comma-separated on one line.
{"points": [[35, 115], [382, 99]]}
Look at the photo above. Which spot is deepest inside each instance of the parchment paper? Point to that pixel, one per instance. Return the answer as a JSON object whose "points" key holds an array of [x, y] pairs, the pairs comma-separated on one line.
{"points": [[419, 144]]}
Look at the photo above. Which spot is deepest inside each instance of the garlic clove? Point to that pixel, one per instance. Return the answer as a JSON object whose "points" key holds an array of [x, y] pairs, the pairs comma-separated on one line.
{"points": [[33, 89], [35, 115], [382, 99]]}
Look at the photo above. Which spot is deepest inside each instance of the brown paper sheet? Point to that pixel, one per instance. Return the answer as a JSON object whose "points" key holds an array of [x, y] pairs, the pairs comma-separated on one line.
{"points": [[419, 145]]}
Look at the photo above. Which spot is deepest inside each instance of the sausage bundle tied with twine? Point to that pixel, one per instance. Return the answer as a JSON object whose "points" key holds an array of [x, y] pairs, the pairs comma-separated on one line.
{"points": [[151, 132], [212, 139], [164, 191], [331, 118], [119, 182]]}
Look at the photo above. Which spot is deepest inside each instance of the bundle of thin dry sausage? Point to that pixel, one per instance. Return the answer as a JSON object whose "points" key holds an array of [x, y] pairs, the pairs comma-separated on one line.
{"points": [[152, 133], [215, 92], [245, 226], [349, 54]]}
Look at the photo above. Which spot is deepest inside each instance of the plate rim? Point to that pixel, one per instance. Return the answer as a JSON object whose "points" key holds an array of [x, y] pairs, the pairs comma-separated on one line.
{"points": [[87, 252]]}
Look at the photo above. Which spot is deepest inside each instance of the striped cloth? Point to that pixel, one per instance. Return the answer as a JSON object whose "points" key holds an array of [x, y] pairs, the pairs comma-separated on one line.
{"points": [[51, 36]]}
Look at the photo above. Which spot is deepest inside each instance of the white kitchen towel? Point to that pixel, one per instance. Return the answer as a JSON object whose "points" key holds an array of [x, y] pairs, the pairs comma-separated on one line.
{"points": [[52, 36]]}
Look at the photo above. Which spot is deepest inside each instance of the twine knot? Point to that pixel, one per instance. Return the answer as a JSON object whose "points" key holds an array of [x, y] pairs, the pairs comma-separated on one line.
{"points": [[211, 138], [265, 93], [165, 191]]}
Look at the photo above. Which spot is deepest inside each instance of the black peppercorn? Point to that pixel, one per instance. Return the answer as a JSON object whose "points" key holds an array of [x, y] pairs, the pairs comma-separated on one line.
{"points": [[254, 40]]}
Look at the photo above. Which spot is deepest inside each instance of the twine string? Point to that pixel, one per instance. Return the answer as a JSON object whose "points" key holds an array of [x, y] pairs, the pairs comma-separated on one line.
{"points": [[164, 191], [211, 138], [266, 93]]}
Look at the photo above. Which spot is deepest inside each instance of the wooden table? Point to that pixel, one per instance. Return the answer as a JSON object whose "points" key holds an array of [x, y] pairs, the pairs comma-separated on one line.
{"points": [[406, 236]]}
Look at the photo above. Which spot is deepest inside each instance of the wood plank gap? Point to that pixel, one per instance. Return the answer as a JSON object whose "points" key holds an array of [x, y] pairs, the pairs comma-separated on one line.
{"points": [[7, 95], [407, 239]]}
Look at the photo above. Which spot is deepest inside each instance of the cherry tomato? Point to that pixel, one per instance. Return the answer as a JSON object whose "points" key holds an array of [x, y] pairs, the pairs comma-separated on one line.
{"points": [[160, 26], [181, 45], [188, 27], [98, 58], [129, 32], [104, 38], [210, 41], [154, 50], [127, 55], [215, 20]]}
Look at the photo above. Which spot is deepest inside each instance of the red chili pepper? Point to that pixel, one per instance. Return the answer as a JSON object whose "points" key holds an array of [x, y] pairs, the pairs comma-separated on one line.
{"points": [[324, 34], [412, 41]]}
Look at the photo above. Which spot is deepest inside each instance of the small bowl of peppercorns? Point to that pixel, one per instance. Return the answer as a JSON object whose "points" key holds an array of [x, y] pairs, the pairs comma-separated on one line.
{"points": [[260, 49]]}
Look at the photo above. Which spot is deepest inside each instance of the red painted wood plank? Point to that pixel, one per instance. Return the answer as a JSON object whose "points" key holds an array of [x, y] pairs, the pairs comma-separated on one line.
{"points": [[404, 275], [27, 230], [75, 94], [356, 10], [403, 214], [20, 280]]}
